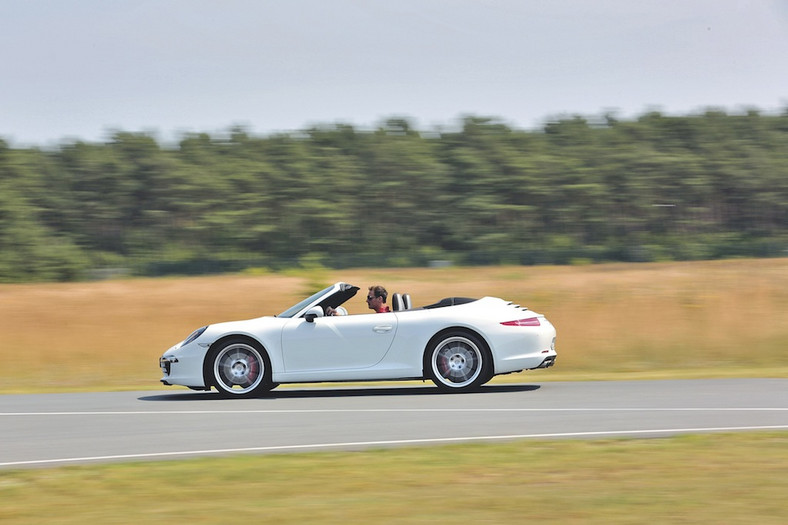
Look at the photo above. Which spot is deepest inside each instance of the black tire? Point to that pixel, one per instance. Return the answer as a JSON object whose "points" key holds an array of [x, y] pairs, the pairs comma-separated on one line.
{"points": [[458, 361], [239, 367]]}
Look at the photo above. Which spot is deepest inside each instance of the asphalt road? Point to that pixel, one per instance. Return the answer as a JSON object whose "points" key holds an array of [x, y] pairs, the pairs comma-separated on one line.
{"points": [[59, 429]]}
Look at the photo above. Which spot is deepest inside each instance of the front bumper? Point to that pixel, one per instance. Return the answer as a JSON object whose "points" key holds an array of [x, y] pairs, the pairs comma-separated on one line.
{"points": [[182, 367], [165, 363]]}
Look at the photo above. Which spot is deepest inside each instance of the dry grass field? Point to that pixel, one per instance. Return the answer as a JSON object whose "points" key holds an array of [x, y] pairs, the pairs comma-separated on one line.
{"points": [[702, 319]]}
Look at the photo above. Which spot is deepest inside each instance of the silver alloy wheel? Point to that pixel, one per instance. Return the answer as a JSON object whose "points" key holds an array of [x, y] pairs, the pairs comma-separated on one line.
{"points": [[238, 368], [456, 362]]}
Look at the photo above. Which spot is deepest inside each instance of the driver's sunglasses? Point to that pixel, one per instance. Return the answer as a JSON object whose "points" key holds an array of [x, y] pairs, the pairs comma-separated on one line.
{"points": [[370, 298]]}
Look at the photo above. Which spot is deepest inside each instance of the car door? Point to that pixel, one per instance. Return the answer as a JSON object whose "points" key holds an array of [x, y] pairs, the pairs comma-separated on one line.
{"points": [[347, 342]]}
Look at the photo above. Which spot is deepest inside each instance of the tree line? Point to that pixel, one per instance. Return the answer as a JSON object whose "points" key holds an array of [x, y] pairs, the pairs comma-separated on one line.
{"points": [[580, 189]]}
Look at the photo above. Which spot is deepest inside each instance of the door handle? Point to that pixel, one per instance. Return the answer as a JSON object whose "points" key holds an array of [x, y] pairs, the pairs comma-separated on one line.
{"points": [[382, 328]]}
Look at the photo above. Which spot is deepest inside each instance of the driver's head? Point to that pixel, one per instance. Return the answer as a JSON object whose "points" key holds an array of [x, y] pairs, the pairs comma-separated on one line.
{"points": [[376, 297]]}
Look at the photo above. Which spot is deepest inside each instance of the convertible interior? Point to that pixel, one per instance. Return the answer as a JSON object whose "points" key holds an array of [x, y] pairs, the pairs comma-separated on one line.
{"points": [[399, 301]]}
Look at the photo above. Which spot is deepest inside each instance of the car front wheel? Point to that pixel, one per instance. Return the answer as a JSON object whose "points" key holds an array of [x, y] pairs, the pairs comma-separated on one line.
{"points": [[240, 368], [458, 361]]}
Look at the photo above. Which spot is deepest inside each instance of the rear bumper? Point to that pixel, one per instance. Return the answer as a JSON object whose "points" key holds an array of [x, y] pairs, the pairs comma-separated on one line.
{"points": [[526, 348], [548, 362]]}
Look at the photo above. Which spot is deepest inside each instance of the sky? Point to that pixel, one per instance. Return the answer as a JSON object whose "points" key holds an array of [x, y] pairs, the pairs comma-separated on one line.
{"points": [[83, 69]]}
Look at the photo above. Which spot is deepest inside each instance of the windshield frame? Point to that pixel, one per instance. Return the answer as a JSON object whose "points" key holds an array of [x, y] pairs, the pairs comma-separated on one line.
{"points": [[302, 305]]}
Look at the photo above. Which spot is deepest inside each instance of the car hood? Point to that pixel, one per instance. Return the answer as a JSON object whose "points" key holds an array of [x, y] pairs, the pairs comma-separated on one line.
{"points": [[248, 326]]}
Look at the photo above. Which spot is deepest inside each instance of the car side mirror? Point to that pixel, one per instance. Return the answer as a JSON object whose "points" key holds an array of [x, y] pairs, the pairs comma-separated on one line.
{"points": [[313, 313]]}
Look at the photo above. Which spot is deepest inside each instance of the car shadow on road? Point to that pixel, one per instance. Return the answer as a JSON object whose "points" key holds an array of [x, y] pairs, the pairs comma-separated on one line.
{"points": [[322, 392]]}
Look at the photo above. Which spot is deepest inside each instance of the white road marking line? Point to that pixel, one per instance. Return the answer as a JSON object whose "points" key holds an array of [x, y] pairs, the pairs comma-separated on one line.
{"points": [[319, 446], [387, 410]]}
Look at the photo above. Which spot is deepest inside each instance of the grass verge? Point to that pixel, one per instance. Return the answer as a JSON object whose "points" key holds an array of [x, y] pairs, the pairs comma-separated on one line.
{"points": [[528, 377], [712, 478]]}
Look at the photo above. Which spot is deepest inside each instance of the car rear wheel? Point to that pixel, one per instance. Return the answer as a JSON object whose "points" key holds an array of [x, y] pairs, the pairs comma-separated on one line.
{"points": [[458, 361], [240, 368]]}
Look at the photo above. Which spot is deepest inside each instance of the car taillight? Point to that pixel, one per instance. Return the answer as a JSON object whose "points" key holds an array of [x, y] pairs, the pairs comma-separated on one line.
{"points": [[531, 321]]}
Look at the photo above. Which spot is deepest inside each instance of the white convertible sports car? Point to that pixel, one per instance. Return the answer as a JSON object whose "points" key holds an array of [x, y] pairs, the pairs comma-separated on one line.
{"points": [[458, 343]]}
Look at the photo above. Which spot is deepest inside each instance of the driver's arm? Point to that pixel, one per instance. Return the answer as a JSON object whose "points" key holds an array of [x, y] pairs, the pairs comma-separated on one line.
{"points": [[335, 311]]}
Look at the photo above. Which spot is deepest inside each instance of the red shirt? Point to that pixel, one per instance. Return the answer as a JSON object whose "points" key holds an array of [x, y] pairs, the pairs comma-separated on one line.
{"points": [[383, 309]]}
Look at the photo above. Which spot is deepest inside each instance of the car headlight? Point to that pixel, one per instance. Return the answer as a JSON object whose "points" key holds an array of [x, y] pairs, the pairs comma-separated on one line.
{"points": [[194, 335]]}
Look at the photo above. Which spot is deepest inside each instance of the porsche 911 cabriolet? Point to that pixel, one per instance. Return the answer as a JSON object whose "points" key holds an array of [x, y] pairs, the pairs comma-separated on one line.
{"points": [[458, 343]]}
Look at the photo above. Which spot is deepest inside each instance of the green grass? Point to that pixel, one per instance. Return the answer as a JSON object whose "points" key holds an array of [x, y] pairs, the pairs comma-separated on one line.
{"points": [[716, 478]]}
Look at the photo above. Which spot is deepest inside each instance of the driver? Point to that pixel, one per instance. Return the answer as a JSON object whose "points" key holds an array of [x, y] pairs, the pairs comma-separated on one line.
{"points": [[376, 300]]}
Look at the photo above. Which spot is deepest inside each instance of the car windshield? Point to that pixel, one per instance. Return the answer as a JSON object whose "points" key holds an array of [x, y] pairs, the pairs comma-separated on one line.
{"points": [[290, 312]]}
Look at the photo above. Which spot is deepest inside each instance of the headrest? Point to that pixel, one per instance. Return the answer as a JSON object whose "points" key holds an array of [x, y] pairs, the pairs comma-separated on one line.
{"points": [[396, 302]]}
